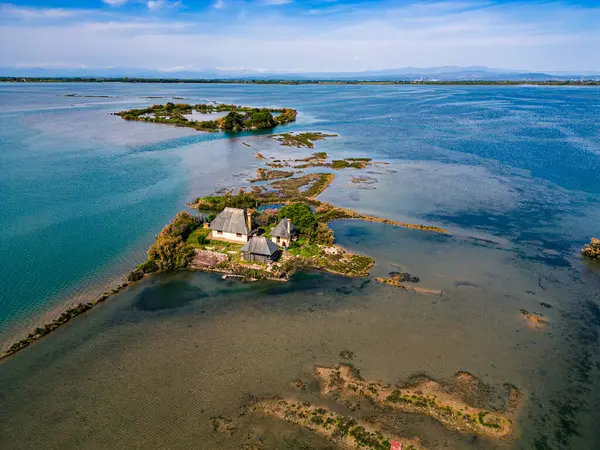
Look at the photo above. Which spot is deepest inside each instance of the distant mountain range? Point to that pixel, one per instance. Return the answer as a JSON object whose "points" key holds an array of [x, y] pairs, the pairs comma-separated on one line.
{"points": [[445, 73]]}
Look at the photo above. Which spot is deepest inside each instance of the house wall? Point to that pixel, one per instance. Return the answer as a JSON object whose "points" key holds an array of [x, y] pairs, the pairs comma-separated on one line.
{"points": [[280, 241], [256, 258], [229, 237]]}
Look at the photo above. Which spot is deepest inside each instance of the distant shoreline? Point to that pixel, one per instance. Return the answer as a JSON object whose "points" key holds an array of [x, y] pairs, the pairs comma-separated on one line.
{"points": [[295, 82]]}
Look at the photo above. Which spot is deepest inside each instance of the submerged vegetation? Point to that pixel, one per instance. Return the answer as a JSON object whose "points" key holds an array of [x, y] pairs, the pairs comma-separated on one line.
{"points": [[592, 250], [238, 118]]}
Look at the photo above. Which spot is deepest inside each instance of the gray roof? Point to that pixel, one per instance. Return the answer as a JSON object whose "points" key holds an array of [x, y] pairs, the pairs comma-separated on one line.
{"points": [[260, 245], [281, 230], [230, 220]]}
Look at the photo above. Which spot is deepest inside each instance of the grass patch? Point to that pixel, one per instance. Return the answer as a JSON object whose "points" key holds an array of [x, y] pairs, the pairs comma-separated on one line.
{"points": [[269, 175], [198, 238], [301, 139], [353, 163]]}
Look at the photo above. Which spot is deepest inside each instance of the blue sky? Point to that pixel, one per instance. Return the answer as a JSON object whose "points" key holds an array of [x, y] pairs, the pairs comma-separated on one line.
{"points": [[300, 36]]}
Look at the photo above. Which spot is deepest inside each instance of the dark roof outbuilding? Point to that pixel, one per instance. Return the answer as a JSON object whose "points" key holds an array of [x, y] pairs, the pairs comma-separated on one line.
{"points": [[260, 245]]}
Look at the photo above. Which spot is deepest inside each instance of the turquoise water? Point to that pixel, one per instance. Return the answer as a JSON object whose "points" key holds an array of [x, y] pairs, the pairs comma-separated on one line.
{"points": [[512, 172]]}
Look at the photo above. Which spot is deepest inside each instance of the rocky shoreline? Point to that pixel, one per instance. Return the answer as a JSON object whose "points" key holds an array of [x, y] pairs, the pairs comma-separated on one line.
{"points": [[65, 317]]}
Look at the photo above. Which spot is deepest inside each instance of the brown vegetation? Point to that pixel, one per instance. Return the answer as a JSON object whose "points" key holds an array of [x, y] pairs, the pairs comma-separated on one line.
{"points": [[534, 319], [340, 429], [592, 250], [442, 401]]}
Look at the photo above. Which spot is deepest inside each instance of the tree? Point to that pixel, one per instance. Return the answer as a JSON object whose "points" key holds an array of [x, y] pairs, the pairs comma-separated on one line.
{"points": [[233, 122], [301, 216], [182, 224], [267, 217], [170, 253], [260, 119]]}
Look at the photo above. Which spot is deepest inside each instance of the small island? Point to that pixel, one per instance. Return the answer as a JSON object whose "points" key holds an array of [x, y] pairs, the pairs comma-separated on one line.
{"points": [[263, 231], [237, 118], [300, 140]]}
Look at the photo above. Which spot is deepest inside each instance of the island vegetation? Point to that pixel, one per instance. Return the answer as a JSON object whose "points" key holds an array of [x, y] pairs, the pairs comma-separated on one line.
{"points": [[301, 139], [184, 243], [592, 250], [268, 175], [238, 118], [400, 280], [316, 159]]}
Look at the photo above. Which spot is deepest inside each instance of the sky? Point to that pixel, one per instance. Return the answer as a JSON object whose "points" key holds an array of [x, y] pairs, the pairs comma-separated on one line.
{"points": [[300, 35]]}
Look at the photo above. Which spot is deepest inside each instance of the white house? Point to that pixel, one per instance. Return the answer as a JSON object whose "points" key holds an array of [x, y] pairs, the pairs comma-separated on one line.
{"points": [[283, 233], [231, 225]]}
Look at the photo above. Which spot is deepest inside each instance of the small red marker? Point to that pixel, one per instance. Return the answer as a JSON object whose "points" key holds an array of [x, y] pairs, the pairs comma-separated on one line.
{"points": [[396, 445]]}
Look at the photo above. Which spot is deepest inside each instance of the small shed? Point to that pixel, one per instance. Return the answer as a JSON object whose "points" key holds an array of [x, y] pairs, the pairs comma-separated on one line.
{"points": [[260, 249], [283, 233]]}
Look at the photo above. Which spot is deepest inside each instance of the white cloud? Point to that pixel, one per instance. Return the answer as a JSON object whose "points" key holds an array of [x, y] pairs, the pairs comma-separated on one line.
{"points": [[517, 36], [276, 2], [12, 11], [115, 2], [161, 4]]}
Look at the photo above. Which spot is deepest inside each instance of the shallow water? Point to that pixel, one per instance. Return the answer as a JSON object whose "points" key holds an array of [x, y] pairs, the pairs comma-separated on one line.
{"points": [[510, 171]]}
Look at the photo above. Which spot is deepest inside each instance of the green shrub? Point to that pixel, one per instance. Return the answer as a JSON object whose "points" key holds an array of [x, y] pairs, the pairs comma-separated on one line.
{"points": [[135, 275], [148, 266], [301, 216], [260, 119], [170, 253], [233, 122], [339, 164]]}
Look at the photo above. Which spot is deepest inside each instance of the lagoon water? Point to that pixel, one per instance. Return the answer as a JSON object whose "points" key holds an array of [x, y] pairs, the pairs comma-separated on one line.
{"points": [[512, 172]]}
